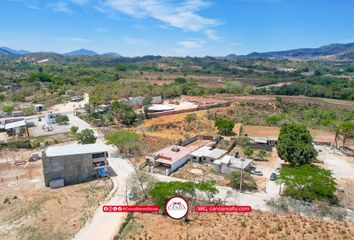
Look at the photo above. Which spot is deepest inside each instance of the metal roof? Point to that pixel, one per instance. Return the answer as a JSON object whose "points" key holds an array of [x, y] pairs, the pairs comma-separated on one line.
{"points": [[74, 149], [15, 124], [209, 152], [174, 153], [262, 140], [160, 107]]}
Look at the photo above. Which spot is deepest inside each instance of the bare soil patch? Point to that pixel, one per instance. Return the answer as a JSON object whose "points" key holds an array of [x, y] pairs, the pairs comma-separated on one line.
{"points": [[29, 210], [254, 225]]}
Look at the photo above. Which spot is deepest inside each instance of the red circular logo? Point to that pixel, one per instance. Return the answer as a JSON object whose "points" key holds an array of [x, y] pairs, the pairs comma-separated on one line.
{"points": [[177, 207]]}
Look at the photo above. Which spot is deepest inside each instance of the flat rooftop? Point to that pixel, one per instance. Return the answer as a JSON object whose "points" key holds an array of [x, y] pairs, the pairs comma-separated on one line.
{"points": [[209, 152], [15, 124], [234, 162], [74, 149]]}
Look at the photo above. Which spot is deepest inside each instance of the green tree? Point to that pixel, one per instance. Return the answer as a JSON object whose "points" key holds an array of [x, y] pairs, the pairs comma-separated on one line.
{"points": [[295, 145], [121, 67], [2, 97], [74, 129], [123, 112], [62, 119], [86, 136], [248, 151], [8, 109], [127, 142], [225, 126], [162, 191], [146, 103], [180, 80], [346, 130], [307, 182], [248, 182], [140, 184]]}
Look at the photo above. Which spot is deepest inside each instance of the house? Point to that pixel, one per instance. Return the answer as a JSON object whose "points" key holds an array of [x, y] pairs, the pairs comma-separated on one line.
{"points": [[229, 163], [76, 99], [264, 143], [38, 107], [17, 114], [14, 128], [139, 100], [4, 121], [51, 117], [207, 154], [171, 157], [74, 163]]}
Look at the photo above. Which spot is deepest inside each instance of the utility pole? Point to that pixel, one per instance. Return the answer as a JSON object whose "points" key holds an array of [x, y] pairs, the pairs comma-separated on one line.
{"points": [[242, 160]]}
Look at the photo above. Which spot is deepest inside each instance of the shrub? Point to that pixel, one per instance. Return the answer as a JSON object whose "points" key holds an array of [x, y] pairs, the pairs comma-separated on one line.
{"points": [[248, 182], [225, 126], [86, 136], [62, 119]]}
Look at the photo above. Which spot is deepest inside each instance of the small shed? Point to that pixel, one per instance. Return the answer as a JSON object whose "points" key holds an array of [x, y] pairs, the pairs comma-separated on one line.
{"points": [[38, 107]]}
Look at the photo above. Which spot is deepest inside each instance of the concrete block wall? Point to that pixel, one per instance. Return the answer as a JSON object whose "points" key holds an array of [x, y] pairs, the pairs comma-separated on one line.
{"points": [[73, 168]]}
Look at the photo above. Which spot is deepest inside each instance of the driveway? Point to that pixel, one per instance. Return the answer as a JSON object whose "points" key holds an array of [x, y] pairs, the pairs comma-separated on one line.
{"points": [[336, 161]]}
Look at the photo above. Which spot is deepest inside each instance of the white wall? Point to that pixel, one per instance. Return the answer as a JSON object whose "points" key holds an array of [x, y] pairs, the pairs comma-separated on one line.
{"points": [[179, 163]]}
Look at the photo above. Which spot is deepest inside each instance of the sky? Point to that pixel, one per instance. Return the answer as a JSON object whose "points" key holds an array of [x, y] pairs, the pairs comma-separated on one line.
{"points": [[174, 28]]}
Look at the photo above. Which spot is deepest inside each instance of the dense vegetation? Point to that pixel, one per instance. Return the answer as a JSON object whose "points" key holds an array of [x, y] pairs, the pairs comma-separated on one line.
{"points": [[109, 78], [327, 87]]}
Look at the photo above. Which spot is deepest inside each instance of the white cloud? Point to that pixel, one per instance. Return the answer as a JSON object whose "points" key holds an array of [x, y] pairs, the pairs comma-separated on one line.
{"points": [[61, 7], [212, 35], [183, 15], [190, 44]]}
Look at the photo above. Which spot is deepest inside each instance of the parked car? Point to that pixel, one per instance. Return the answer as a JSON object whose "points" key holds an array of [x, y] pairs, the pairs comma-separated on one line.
{"points": [[131, 196], [251, 168], [273, 177], [256, 172]]}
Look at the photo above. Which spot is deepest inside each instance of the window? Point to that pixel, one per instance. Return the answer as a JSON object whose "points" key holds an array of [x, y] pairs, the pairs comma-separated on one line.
{"points": [[98, 155]]}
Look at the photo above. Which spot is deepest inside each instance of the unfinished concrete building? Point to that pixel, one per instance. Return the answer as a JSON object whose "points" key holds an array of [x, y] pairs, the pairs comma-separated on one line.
{"points": [[74, 163]]}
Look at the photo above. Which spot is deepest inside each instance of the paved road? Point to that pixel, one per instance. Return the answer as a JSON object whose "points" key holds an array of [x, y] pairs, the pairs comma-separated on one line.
{"points": [[106, 225]]}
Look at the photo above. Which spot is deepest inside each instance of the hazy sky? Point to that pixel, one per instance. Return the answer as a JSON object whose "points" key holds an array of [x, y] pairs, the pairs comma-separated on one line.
{"points": [[174, 28]]}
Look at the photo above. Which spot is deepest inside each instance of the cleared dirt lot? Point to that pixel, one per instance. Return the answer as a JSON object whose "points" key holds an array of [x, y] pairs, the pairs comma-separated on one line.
{"points": [[175, 127], [28, 210], [254, 225]]}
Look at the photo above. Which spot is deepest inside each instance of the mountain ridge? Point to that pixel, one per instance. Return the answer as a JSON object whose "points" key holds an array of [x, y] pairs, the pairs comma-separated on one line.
{"points": [[334, 50]]}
